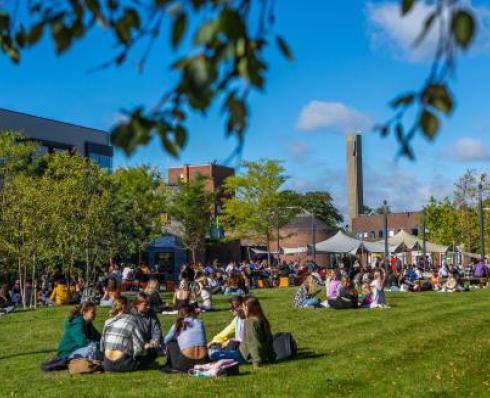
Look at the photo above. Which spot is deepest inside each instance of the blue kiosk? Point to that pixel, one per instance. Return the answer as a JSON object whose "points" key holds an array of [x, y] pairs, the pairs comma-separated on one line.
{"points": [[166, 255]]}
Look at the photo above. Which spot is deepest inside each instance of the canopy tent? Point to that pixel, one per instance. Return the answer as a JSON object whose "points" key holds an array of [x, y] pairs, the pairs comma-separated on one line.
{"points": [[261, 251], [294, 250], [342, 243], [402, 241]]}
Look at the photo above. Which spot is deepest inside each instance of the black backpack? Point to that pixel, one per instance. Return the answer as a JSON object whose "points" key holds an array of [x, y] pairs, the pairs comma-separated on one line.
{"points": [[55, 364], [284, 346]]}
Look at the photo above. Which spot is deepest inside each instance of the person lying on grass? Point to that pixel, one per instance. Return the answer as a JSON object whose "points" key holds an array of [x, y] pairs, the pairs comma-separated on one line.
{"points": [[231, 335], [123, 343], [346, 296], [305, 296], [148, 323], [185, 342], [80, 338]]}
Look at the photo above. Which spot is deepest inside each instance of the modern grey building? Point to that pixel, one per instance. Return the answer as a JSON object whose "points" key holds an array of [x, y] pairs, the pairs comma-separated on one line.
{"points": [[54, 136]]}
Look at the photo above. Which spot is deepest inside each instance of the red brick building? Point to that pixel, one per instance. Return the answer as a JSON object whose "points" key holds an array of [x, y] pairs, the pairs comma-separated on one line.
{"points": [[371, 227]]}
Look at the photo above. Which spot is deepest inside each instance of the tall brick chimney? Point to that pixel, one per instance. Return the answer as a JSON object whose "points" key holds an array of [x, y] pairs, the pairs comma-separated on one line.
{"points": [[355, 203]]}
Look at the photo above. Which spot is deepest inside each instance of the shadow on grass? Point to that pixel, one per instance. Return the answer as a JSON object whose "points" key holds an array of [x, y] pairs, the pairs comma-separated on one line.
{"points": [[303, 353], [21, 354]]}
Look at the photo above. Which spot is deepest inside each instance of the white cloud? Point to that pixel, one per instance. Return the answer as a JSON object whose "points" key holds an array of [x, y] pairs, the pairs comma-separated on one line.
{"points": [[389, 30], [334, 116], [468, 149]]}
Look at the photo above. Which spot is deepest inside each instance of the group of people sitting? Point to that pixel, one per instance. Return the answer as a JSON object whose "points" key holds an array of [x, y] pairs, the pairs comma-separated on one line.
{"points": [[342, 293], [132, 337]]}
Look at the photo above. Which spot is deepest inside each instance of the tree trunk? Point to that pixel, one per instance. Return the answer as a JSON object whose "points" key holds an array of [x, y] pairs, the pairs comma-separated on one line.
{"points": [[268, 251], [193, 252], [87, 261], [22, 292]]}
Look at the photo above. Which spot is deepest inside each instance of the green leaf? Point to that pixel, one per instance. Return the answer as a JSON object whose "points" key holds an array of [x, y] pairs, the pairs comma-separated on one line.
{"points": [[205, 33], [407, 6], [429, 21], [35, 34], [180, 136], [284, 48], [463, 27], [429, 124], [178, 29], [437, 96]]}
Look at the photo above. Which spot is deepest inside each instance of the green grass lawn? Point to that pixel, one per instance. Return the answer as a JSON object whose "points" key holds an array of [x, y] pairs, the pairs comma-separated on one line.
{"points": [[426, 344]]}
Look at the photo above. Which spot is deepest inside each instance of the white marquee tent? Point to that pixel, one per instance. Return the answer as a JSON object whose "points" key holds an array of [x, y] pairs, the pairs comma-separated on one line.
{"points": [[342, 243]]}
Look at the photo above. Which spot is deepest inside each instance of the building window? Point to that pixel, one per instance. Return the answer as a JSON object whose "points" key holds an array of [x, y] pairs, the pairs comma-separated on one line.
{"points": [[391, 233], [103, 161], [365, 235], [380, 233], [372, 235], [415, 231]]}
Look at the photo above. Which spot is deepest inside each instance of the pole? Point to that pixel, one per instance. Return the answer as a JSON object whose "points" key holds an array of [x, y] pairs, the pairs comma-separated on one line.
{"points": [[385, 210], [277, 225], [313, 234], [482, 238], [424, 248]]}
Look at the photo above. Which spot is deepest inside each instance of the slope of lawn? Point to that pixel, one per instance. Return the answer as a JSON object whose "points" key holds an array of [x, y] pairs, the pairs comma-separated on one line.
{"points": [[426, 344]]}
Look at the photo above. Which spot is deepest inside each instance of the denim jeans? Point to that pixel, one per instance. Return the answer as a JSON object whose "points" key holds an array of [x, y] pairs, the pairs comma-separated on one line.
{"points": [[311, 302], [216, 355], [91, 352]]}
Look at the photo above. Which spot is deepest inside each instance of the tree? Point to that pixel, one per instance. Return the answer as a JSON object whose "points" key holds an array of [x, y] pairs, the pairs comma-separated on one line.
{"points": [[225, 59], [138, 199], [190, 205], [256, 206], [320, 203], [442, 222]]}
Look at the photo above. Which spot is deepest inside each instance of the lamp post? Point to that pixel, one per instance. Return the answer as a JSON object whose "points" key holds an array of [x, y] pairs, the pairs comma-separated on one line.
{"points": [[480, 208], [385, 211]]}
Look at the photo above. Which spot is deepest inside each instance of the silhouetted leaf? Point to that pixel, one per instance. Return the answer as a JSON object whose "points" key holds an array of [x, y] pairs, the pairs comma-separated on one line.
{"points": [[178, 29], [437, 96], [283, 46], [429, 21], [463, 27], [407, 6], [429, 124], [405, 99]]}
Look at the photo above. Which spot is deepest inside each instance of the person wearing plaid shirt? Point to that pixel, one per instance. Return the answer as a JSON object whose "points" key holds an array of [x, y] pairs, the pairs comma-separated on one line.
{"points": [[122, 340]]}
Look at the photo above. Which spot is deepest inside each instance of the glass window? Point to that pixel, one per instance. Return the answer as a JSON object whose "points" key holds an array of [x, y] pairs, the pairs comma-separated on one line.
{"points": [[103, 161], [391, 233], [380, 233]]}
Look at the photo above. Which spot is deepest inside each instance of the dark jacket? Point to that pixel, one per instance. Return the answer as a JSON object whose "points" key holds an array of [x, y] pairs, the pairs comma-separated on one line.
{"points": [[256, 346], [149, 324], [77, 334]]}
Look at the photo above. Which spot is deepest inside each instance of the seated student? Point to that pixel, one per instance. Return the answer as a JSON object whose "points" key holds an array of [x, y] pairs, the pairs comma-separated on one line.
{"points": [[435, 281], [80, 338], [232, 334], [233, 287], [148, 323], [332, 284], [5, 305], [346, 296], [182, 295], [60, 294], [378, 298], [304, 297], [205, 291], [256, 346], [111, 292], [153, 292], [451, 285], [122, 342], [186, 341], [365, 298]]}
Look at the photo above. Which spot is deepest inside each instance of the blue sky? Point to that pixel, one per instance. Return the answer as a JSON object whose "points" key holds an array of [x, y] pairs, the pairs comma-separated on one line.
{"points": [[351, 58]]}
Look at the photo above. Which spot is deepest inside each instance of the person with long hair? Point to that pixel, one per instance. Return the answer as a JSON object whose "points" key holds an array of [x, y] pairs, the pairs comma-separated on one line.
{"points": [[123, 343], [256, 346], [186, 341], [152, 290], [111, 292], [149, 324], [305, 295], [347, 296], [233, 333], [80, 337]]}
